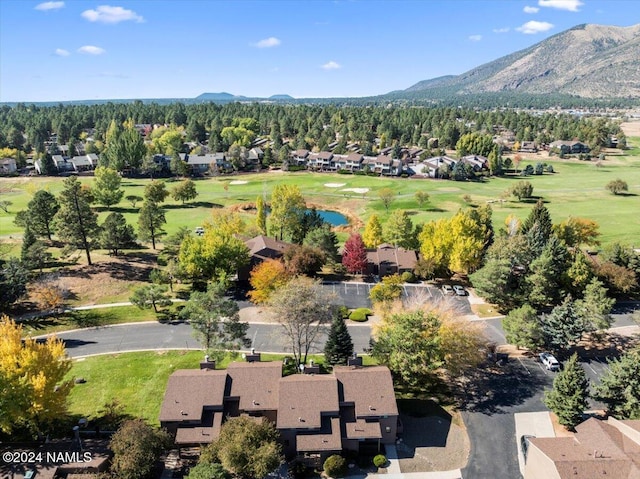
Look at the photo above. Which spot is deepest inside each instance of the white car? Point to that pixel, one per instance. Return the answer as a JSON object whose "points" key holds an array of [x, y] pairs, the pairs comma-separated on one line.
{"points": [[549, 361], [447, 289], [459, 290]]}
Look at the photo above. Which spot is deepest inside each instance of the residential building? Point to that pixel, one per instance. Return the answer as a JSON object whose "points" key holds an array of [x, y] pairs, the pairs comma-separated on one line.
{"points": [[528, 147], [201, 164], [353, 409], [569, 147], [477, 162], [387, 259], [8, 166], [599, 449], [262, 248]]}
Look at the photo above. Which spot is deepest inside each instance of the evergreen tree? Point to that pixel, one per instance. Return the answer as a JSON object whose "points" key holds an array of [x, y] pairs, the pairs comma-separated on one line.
{"points": [[47, 166], [28, 240], [150, 222], [595, 306], [522, 327], [619, 388], [261, 216], [75, 222], [562, 327], [538, 226], [568, 398], [339, 346], [325, 240], [39, 214], [116, 234]]}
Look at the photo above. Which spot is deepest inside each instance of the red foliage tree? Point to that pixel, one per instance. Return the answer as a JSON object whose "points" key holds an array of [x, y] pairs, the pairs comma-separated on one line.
{"points": [[354, 256]]}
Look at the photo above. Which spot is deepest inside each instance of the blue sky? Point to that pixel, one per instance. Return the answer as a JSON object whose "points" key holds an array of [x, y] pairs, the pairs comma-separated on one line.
{"points": [[75, 50]]}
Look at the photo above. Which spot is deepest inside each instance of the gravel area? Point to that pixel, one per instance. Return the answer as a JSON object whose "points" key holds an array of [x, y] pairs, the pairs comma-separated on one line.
{"points": [[432, 444]]}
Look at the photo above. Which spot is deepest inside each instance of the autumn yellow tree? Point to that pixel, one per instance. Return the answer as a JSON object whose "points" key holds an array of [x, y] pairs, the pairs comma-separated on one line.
{"points": [[33, 391], [576, 231], [372, 236], [265, 278]]}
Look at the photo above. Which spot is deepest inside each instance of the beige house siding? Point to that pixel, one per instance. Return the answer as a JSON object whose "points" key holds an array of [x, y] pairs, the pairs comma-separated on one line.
{"points": [[539, 466]]}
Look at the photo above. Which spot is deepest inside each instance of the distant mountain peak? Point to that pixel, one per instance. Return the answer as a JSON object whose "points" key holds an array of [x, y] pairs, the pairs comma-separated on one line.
{"points": [[588, 60]]}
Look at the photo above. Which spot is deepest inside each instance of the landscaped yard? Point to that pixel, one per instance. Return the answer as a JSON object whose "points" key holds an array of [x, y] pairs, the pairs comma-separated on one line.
{"points": [[576, 189]]}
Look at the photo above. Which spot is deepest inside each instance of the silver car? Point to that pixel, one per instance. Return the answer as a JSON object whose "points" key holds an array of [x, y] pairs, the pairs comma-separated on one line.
{"points": [[549, 361]]}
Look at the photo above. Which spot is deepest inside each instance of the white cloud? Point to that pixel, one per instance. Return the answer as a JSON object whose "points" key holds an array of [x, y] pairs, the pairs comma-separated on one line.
{"points": [[91, 50], [62, 52], [268, 42], [533, 27], [109, 14], [570, 5], [501, 30], [475, 38], [331, 65], [528, 9], [46, 6]]}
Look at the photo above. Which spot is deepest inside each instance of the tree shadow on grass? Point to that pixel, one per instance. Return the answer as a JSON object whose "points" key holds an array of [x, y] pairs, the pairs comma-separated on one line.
{"points": [[194, 204]]}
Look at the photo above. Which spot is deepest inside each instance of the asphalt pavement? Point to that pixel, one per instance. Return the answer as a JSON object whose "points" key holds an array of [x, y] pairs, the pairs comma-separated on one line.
{"points": [[178, 335]]}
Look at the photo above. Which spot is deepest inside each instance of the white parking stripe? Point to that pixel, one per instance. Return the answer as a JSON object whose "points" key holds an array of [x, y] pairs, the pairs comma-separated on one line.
{"points": [[589, 366], [522, 364]]}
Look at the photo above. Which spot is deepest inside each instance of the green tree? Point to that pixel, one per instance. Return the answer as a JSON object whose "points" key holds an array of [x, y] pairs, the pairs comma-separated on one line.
{"points": [[399, 231], [150, 296], [133, 199], [136, 448], [421, 197], [372, 236], [287, 209], [261, 215], [387, 291], [178, 166], [325, 240], [562, 327], [304, 309], [75, 222], [39, 214], [116, 234], [13, 281], [408, 344], [33, 388], [339, 346], [335, 466], [617, 186], [215, 320], [247, 448], [156, 191], [386, 195], [475, 144], [546, 274], [124, 148], [150, 221], [538, 227], [28, 240], [184, 191], [619, 388], [207, 470], [522, 328], [106, 186], [521, 190], [568, 398]]}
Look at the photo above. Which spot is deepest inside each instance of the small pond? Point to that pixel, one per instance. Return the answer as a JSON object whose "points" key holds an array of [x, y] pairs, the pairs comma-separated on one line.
{"points": [[333, 217]]}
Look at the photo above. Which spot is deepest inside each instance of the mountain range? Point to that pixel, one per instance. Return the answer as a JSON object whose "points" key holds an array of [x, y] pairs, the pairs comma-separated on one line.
{"points": [[588, 61]]}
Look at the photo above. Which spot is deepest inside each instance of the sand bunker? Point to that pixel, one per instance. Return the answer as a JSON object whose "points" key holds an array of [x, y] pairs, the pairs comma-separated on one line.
{"points": [[362, 191], [334, 185], [238, 182]]}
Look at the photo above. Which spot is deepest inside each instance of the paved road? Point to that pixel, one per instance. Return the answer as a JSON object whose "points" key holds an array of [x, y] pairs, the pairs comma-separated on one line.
{"points": [[178, 335]]}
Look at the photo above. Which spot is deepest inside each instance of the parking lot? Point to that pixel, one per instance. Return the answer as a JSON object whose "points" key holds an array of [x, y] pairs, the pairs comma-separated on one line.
{"points": [[356, 295]]}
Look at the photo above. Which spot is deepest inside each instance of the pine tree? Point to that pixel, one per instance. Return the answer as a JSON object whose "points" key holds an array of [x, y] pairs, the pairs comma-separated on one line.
{"points": [[28, 240], [339, 346], [619, 388], [150, 221], [538, 226], [563, 326], [568, 398]]}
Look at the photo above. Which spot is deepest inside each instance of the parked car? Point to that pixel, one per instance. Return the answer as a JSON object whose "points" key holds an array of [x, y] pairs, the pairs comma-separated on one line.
{"points": [[447, 289], [459, 290], [199, 230], [549, 361]]}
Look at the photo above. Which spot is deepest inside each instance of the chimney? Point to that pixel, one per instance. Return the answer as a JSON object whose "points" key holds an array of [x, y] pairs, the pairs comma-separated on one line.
{"points": [[355, 360], [252, 357], [208, 363]]}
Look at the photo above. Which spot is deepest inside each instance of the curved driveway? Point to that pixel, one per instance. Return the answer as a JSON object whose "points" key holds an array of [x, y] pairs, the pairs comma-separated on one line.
{"points": [[265, 337]]}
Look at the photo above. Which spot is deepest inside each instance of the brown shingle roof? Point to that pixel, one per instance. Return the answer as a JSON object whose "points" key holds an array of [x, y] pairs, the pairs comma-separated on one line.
{"points": [[400, 257], [326, 440], [200, 434], [304, 398], [256, 384], [266, 247], [361, 429], [596, 450], [370, 389], [189, 391]]}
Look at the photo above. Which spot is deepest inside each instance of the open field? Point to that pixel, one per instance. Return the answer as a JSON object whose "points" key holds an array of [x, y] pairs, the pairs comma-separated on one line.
{"points": [[576, 189], [136, 380]]}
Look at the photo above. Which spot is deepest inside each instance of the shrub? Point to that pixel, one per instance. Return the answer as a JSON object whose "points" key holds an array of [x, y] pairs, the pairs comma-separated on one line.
{"points": [[380, 460], [335, 466], [344, 312], [360, 314], [408, 277]]}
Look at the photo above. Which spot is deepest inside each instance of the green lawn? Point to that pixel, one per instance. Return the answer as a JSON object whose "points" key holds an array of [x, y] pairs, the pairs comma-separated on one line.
{"points": [[576, 189], [136, 380]]}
